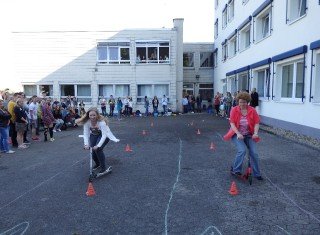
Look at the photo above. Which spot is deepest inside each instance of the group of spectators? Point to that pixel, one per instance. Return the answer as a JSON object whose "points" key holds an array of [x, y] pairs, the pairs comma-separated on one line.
{"points": [[21, 118], [125, 107], [223, 103]]}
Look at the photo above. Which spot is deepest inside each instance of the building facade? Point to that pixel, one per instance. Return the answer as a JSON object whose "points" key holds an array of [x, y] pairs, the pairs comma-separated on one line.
{"points": [[273, 46], [91, 65], [198, 70]]}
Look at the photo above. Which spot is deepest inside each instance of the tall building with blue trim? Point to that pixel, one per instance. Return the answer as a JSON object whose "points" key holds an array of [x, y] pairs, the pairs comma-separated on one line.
{"points": [[273, 46]]}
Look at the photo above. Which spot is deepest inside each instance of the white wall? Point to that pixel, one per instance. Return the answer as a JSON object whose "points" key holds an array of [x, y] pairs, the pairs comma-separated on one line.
{"points": [[70, 58]]}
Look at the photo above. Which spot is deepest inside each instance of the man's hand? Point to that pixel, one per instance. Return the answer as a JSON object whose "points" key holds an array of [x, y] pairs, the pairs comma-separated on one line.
{"points": [[95, 147], [86, 147], [240, 137]]}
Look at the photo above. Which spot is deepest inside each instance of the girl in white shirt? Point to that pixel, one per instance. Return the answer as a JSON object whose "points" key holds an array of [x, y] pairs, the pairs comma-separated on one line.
{"points": [[96, 134]]}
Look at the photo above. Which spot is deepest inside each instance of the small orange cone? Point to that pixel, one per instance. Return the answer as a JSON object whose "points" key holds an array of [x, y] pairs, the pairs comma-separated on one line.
{"points": [[212, 146], [233, 189], [198, 132], [128, 149], [90, 191], [144, 132]]}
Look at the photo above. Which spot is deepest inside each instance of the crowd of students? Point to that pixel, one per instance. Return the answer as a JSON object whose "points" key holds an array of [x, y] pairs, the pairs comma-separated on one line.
{"points": [[22, 119]]}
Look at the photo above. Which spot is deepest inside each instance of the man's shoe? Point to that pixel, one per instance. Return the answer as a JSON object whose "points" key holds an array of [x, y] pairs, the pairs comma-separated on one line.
{"points": [[96, 167], [102, 171], [10, 151], [259, 178], [26, 142]]}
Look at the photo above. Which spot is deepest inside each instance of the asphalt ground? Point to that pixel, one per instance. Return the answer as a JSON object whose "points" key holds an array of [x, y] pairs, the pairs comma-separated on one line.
{"points": [[171, 183]]}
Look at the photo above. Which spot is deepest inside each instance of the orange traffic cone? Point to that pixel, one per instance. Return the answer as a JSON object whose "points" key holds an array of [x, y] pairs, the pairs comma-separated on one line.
{"points": [[144, 132], [198, 132], [212, 146], [128, 149], [233, 189], [90, 190]]}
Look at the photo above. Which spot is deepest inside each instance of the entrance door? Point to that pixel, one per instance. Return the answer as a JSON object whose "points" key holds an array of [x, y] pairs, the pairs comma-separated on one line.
{"points": [[188, 89]]}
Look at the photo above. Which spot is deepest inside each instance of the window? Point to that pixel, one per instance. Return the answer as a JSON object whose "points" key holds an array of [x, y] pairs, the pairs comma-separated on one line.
{"points": [[244, 38], [113, 52], [81, 92], [291, 80], [206, 91], [66, 90], [30, 90], [243, 81], [152, 52], [233, 84], [84, 93], [231, 10], [48, 89], [188, 59], [121, 91], [215, 58], [261, 82], [232, 46], [216, 27], [188, 89], [152, 90], [296, 9], [263, 24], [206, 59], [224, 18], [216, 4], [224, 52], [316, 79]]}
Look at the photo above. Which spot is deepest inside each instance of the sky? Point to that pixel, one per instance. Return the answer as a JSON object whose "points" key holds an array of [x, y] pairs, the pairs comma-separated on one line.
{"points": [[91, 15]]}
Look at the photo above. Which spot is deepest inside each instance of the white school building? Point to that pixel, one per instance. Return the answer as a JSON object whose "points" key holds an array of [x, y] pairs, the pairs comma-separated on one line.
{"points": [[130, 62], [274, 46]]}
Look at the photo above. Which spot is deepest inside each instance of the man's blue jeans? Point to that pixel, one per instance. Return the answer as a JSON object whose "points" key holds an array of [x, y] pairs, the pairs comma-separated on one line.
{"points": [[242, 146], [4, 134]]}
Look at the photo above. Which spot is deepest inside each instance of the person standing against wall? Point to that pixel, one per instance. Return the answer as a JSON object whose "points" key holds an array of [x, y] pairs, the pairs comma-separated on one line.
{"points": [[146, 105], [112, 103], [164, 103], [103, 105], [254, 98]]}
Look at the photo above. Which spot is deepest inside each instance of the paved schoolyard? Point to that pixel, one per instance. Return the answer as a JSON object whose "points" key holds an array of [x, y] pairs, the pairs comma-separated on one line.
{"points": [[171, 183]]}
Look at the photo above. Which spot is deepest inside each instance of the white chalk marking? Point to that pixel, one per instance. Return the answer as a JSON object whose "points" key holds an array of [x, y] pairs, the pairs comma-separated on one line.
{"points": [[218, 134], [172, 191], [18, 229], [291, 200], [39, 185], [212, 232], [283, 230], [171, 196]]}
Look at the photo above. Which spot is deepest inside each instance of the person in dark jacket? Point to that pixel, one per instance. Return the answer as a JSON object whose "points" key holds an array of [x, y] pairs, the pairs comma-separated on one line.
{"points": [[4, 129], [21, 122], [254, 98]]}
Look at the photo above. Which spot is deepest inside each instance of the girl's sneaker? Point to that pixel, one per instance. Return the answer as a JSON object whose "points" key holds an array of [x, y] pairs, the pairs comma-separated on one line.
{"points": [[51, 139], [22, 146]]}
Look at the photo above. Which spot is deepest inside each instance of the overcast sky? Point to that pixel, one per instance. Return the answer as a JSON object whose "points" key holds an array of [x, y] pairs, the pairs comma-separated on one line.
{"points": [[45, 15]]}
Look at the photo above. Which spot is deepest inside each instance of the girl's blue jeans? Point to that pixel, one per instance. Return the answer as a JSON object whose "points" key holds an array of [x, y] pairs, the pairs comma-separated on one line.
{"points": [[242, 146]]}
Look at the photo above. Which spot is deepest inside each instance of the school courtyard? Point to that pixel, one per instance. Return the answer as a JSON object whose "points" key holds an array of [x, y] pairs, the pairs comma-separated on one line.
{"points": [[171, 182]]}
